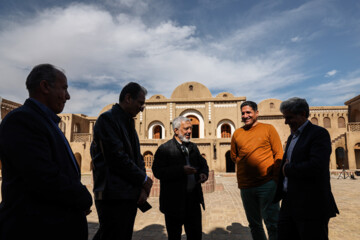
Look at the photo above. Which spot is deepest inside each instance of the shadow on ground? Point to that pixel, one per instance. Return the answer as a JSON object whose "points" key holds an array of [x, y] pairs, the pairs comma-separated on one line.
{"points": [[158, 232]]}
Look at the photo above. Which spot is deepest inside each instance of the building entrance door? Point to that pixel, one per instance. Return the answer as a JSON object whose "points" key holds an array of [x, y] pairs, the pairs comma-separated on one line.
{"points": [[195, 126]]}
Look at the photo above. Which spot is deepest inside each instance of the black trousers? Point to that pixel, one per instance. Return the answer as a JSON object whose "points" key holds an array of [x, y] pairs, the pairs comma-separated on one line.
{"points": [[116, 218], [191, 219], [290, 228]]}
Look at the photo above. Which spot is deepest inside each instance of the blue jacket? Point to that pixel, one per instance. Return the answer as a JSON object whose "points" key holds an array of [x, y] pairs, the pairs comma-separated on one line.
{"points": [[309, 189], [41, 188]]}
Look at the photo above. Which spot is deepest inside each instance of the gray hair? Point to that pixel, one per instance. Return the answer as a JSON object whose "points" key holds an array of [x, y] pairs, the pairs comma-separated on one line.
{"points": [[295, 105], [177, 121], [46, 72]]}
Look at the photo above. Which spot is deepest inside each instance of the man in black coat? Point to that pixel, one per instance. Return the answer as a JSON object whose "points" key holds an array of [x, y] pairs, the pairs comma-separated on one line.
{"points": [[42, 196], [304, 183], [120, 180], [181, 170]]}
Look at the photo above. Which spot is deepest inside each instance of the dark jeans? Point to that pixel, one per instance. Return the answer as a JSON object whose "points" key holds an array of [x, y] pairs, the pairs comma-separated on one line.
{"points": [[258, 205], [116, 218], [191, 219], [297, 229]]}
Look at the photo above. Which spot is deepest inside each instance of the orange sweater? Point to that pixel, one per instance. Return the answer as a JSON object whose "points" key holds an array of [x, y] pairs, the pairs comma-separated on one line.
{"points": [[257, 153]]}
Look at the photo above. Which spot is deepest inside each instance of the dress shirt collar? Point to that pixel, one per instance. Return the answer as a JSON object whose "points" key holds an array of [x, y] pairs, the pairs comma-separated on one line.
{"points": [[300, 129], [49, 113]]}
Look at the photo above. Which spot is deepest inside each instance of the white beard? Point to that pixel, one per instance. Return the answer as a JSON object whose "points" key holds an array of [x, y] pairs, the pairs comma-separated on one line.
{"points": [[183, 138]]}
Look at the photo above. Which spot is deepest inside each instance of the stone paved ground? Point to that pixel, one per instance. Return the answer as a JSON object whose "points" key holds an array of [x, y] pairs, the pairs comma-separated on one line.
{"points": [[224, 218]]}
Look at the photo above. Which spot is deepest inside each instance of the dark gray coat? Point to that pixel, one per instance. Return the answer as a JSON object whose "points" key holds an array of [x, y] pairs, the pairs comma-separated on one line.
{"points": [[168, 166], [119, 173]]}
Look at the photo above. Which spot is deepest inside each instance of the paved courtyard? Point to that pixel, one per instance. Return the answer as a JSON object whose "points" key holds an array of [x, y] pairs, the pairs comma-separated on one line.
{"points": [[224, 218]]}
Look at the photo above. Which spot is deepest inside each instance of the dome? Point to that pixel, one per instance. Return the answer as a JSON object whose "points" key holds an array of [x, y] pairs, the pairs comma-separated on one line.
{"points": [[191, 90], [157, 97], [269, 106], [224, 95], [107, 107]]}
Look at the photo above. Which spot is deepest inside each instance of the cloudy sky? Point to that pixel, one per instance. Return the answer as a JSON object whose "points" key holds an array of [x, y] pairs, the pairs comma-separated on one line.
{"points": [[258, 49]]}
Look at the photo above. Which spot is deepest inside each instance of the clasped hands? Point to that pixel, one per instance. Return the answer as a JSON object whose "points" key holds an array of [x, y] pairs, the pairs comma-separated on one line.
{"points": [[191, 170]]}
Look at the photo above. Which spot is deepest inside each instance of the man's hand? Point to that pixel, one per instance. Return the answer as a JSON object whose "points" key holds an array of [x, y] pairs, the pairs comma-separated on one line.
{"points": [[87, 212], [143, 196], [203, 178], [283, 168], [189, 170], [147, 185]]}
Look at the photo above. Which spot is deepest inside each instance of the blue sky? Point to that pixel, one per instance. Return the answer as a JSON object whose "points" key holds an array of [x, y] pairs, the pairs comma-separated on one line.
{"points": [[257, 49]]}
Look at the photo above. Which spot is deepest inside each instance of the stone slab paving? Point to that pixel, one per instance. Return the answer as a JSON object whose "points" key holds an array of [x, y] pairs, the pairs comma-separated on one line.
{"points": [[224, 218]]}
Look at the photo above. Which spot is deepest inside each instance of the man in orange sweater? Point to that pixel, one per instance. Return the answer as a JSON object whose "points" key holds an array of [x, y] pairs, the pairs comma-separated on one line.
{"points": [[256, 149]]}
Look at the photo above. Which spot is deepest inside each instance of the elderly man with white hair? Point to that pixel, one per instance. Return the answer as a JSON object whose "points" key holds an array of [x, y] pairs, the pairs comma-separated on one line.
{"points": [[181, 170]]}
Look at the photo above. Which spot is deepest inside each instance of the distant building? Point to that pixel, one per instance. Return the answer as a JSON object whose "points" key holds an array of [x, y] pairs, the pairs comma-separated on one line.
{"points": [[214, 121]]}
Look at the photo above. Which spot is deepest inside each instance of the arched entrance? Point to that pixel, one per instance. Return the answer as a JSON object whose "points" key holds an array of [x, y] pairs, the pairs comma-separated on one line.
{"points": [[341, 159], [78, 159], [230, 165], [195, 126], [357, 155], [148, 159]]}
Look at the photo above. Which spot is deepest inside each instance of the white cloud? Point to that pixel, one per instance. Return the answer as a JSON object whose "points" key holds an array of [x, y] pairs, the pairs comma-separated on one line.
{"points": [[337, 90], [331, 73], [100, 52], [296, 39]]}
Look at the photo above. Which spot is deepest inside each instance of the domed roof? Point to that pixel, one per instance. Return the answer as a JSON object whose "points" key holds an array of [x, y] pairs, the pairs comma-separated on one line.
{"points": [[191, 90], [269, 106], [224, 95], [157, 97], [107, 107]]}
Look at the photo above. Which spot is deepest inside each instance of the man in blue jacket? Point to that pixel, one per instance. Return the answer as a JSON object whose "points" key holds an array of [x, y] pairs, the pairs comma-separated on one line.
{"points": [[304, 181], [42, 196]]}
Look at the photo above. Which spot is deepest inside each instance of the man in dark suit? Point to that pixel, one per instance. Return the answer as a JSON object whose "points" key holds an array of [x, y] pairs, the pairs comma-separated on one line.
{"points": [[42, 196], [304, 183], [120, 180], [181, 170]]}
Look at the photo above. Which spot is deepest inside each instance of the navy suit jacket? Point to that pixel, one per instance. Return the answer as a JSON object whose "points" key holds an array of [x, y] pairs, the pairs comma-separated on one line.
{"points": [[42, 196], [309, 192]]}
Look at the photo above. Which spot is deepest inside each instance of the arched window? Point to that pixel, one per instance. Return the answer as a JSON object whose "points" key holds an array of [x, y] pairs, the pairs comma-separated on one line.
{"points": [[148, 159], [157, 132], [314, 121], [225, 128], [62, 126], [225, 131], [272, 105], [341, 122], [327, 122], [76, 128]]}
